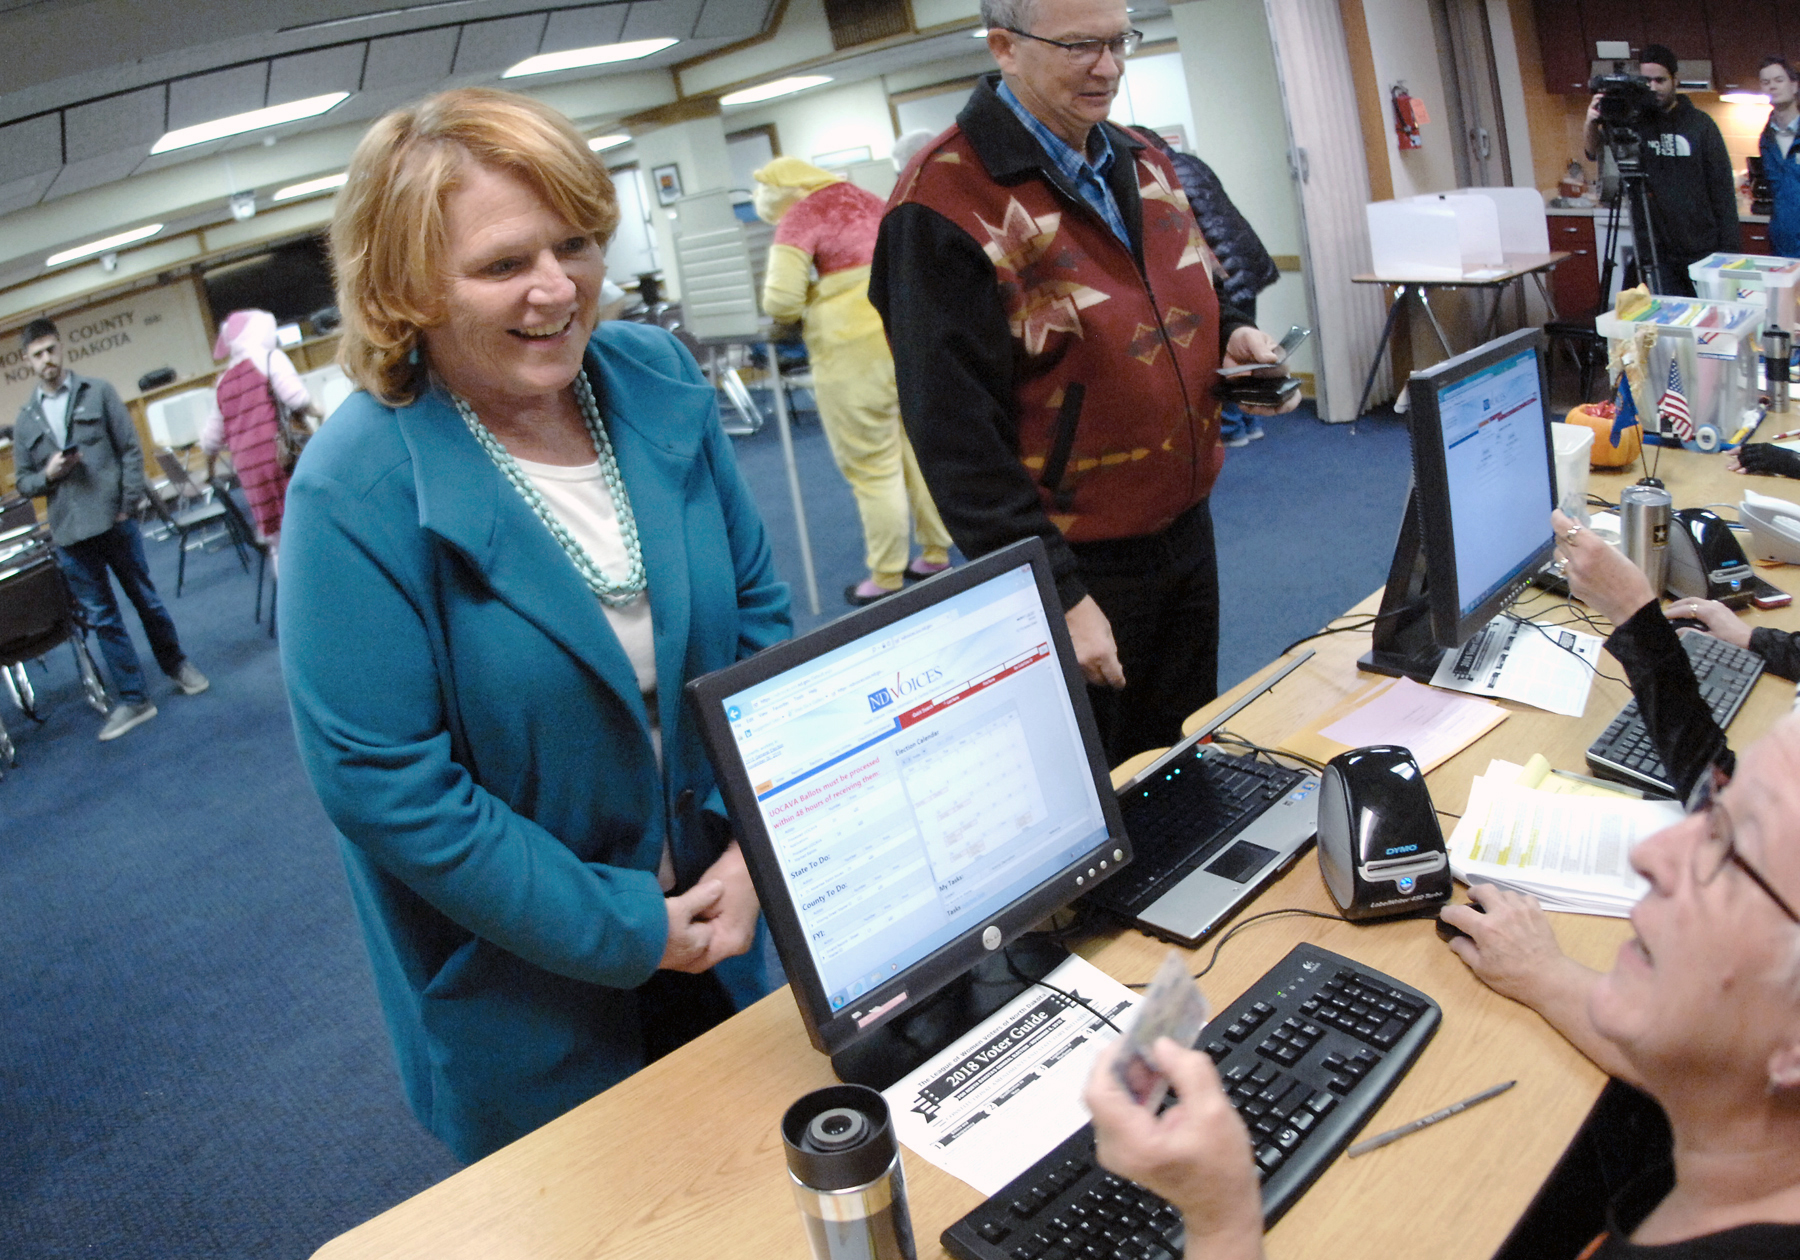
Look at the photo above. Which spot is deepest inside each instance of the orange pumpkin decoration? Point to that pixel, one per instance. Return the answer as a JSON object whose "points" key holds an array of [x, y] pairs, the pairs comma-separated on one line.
{"points": [[1599, 417]]}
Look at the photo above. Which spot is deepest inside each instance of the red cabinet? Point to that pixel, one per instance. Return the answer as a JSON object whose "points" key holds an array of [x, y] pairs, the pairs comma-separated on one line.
{"points": [[1743, 33], [1576, 281], [1562, 44], [1734, 34], [1756, 239]]}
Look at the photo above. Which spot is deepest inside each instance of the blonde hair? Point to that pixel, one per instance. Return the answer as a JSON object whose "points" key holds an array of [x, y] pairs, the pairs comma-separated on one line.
{"points": [[388, 238]]}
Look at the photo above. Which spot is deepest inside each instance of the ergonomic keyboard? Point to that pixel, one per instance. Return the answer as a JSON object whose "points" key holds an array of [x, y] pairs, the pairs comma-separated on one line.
{"points": [[1306, 1055], [1726, 674]]}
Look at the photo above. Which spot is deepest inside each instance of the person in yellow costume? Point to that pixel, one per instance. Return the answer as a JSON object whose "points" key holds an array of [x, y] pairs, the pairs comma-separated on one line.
{"points": [[826, 226]]}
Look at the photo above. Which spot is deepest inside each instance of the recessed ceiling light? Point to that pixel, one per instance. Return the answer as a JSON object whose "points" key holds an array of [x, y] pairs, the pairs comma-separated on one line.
{"points": [[1744, 98], [237, 124], [101, 246], [780, 87], [980, 32], [599, 144], [599, 55], [324, 183]]}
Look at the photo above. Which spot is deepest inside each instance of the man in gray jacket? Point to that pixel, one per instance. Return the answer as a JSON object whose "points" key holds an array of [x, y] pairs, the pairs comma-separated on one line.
{"points": [[75, 444]]}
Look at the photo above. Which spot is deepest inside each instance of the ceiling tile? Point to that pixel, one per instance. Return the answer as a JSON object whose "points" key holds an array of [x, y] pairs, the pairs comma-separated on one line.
{"points": [[113, 123], [218, 95], [314, 73], [731, 19], [20, 194], [400, 61], [30, 148], [490, 47], [652, 19], [95, 171], [588, 27]]}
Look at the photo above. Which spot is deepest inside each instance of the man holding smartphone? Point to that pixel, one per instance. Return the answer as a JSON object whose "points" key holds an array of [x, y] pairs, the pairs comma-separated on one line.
{"points": [[75, 445]]}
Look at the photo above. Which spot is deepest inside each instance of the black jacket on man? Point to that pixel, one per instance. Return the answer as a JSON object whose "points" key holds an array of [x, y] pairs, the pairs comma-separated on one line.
{"points": [[1692, 197]]}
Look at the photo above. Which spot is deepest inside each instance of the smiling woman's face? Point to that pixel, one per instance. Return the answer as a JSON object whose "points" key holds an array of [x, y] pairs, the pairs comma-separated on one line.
{"points": [[521, 295]]}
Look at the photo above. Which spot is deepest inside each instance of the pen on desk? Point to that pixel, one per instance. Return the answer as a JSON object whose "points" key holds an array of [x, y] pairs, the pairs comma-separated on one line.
{"points": [[1394, 1135]]}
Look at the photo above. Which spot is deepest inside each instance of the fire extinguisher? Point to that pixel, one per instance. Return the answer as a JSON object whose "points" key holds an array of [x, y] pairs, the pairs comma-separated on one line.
{"points": [[1409, 116]]}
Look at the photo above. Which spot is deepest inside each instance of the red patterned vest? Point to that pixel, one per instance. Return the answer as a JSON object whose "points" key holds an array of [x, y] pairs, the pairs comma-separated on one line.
{"points": [[1145, 346]]}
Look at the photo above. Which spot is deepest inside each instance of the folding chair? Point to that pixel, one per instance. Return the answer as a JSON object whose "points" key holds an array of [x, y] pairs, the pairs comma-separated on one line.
{"points": [[195, 520], [241, 528], [36, 614]]}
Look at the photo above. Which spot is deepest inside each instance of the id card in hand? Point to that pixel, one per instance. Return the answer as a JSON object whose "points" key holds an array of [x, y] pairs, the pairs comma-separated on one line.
{"points": [[1174, 1007]]}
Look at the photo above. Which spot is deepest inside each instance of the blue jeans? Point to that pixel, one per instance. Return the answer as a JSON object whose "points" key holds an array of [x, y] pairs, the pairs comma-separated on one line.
{"points": [[85, 563]]}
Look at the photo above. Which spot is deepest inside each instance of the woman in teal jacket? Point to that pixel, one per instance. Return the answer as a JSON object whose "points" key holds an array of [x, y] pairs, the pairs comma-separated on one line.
{"points": [[537, 853]]}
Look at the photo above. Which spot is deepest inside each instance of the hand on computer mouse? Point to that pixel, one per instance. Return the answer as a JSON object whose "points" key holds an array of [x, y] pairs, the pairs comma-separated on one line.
{"points": [[1449, 931]]}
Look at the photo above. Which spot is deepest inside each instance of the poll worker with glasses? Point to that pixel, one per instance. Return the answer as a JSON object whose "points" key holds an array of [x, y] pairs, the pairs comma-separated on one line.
{"points": [[1700, 1012]]}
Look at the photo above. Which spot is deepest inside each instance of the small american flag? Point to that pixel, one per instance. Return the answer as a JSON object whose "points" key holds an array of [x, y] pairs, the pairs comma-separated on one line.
{"points": [[1674, 407]]}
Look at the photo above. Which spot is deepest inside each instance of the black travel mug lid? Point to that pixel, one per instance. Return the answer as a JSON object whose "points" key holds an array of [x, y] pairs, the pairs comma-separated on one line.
{"points": [[839, 1137]]}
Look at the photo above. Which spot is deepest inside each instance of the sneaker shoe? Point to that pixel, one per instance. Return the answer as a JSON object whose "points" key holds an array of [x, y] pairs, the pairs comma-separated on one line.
{"points": [[124, 717], [1239, 438], [191, 681]]}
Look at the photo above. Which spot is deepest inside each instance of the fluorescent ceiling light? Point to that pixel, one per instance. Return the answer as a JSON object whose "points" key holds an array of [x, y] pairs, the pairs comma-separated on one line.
{"points": [[102, 246], [599, 144], [323, 184], [1744, 98], [256, 119], [780, 87], [600, 55], [980, 32]]}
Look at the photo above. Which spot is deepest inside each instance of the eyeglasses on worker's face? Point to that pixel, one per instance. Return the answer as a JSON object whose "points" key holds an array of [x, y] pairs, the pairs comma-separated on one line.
{"points": [[1085, 52], [1719, 849]]}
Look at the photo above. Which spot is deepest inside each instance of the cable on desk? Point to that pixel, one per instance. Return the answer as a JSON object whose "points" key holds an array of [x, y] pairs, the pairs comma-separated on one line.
{"points": [[1415, 606], [1232, 740], [1079, 1001], [1565, 647], [1241, 924]]}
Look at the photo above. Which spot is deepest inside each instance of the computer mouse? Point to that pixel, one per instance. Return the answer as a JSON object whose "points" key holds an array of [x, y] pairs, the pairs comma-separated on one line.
{"points": [[1449, 931], [1686, 623]]}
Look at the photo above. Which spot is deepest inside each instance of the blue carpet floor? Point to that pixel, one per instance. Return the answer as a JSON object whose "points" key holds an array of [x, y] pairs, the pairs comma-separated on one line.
{"points": [[193, 1063]]}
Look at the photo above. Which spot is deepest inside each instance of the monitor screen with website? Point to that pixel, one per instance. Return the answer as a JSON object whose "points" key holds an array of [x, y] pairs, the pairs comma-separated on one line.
{"points": [[914, 786], [1477, 524]]}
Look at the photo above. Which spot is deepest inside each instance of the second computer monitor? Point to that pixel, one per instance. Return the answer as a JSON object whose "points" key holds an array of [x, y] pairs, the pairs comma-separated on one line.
{"points": [[1477, 523]]}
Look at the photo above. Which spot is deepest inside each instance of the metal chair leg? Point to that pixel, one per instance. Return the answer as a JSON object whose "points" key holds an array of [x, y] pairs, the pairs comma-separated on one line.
{"points": [[18, 683], [91, 683], [7, 750]]}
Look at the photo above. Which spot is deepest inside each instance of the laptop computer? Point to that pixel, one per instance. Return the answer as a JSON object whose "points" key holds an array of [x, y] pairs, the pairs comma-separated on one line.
{"points": [[1209, 830]]}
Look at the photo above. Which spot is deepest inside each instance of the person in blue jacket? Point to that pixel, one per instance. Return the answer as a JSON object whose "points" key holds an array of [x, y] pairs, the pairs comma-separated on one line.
{"points": [[1780, 156], [502, 559]]}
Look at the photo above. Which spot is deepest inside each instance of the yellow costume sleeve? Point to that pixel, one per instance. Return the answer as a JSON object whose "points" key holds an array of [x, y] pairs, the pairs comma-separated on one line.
{"points": [[785, 285]]}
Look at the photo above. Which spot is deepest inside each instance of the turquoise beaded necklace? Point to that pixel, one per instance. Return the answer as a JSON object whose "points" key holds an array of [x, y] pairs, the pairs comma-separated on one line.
{"points": [[616, 594]]}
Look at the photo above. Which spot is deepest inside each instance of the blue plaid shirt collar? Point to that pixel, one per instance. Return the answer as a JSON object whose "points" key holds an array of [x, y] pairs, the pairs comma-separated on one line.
{"points": [[1088, 175]]}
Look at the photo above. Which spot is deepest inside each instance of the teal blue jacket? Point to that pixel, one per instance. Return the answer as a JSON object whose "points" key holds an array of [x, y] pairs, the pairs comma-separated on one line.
{"points": [[477, 736]]}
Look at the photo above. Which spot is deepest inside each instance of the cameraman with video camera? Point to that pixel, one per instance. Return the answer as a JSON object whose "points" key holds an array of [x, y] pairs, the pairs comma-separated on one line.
{"points": [[1693, 204]]}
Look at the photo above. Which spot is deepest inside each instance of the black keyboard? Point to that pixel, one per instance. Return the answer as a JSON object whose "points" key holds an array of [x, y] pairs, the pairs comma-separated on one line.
{"points": [[1307, 1054], [1726, 673], [1179, 820]]}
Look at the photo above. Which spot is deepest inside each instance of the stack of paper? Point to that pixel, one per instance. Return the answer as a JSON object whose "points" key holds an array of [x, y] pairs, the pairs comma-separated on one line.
{"points": [[1549, 667], [1433, 725], [1571, 852]]}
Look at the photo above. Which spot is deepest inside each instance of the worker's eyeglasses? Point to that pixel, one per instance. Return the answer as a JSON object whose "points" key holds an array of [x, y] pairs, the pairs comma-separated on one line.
{"points": [[1719, 848], [1085, 52]]}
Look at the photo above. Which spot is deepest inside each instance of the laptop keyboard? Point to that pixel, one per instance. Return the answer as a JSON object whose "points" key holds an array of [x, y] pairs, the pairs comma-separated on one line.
{"points": [[1198, 799], [1726, 674], [1306, 1055]]}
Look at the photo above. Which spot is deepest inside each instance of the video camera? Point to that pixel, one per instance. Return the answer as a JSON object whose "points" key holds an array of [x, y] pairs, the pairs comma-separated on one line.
{"points": [[1626, 100]]}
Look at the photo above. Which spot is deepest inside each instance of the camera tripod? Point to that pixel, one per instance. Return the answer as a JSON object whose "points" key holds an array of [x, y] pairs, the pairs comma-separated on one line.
{"points": [[1627, 149]]}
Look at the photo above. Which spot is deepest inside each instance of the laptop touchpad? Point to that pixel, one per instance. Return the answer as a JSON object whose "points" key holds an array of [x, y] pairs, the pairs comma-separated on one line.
{"points": [[1241, 861]]}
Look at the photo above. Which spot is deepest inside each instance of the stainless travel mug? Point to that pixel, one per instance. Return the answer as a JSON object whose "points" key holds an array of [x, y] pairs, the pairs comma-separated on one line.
{"points": [[844, 1160], [1644, 524], [1777, 346]]}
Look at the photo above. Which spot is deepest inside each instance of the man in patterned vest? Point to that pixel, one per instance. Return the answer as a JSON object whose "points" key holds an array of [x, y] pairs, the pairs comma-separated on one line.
{"points": [[1056, 338]]}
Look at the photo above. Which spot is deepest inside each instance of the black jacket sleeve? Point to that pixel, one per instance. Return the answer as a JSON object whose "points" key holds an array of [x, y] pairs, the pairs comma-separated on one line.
{"points": [[1721, 190], [1668, 696], [953, 360]]}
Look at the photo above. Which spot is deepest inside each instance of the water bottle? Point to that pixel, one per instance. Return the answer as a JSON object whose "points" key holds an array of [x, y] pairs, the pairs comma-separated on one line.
{"points": [[1644, 524], [844, 1161]]}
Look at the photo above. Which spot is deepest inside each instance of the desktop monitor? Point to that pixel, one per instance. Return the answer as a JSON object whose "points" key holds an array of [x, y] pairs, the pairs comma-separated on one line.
{"points": [[1477, 523], [914, 786]]}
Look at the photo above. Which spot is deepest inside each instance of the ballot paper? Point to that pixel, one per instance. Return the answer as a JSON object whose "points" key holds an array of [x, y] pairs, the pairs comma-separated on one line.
{"points": [[1573, 853], [995, 1102], [1433, 726], [1547, 667]]}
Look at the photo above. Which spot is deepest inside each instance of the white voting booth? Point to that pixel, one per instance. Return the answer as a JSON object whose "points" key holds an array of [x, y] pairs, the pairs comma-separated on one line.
{"points": [[1466, 234]]}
